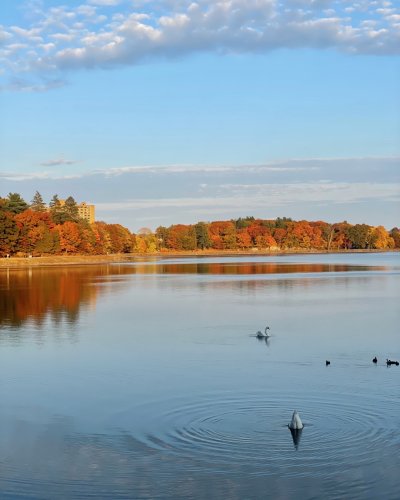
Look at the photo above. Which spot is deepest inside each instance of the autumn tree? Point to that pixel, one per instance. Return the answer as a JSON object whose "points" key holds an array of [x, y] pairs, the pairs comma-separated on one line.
{"points": [[69, 237], [381, 239], [243, 239], [395, 234], [33, 228], [222, 235], [260, 234], [121, 238], [87, 237], [181, 237], [8, 233], [280, 235], [102, 237]]}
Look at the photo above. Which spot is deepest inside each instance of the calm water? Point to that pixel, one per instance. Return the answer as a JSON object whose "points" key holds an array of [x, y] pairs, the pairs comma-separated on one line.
{"points": [[145, 379]]}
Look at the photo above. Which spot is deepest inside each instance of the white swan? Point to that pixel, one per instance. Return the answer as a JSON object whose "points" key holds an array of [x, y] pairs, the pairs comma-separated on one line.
{"points": [[261, 335], [296, 423]]}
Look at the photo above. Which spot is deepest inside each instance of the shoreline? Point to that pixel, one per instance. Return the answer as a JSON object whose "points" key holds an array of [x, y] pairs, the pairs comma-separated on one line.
{"points": [[70, 260]]}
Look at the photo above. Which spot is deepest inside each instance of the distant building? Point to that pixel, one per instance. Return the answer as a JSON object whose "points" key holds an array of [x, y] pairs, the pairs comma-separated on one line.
{"points": [[86, 212]]}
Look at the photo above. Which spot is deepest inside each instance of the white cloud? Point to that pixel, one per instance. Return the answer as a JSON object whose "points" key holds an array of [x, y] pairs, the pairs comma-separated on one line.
{"points": [[57, 162], [108, 3], [92, 35], [362, 189], [328, 192], [268, 195]]}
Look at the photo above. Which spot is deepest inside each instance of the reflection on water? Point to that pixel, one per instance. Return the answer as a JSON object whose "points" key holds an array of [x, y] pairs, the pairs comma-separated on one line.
{"points": [[249, 268], [59, 294], [162, 390], [296, 436], [40, 293]]}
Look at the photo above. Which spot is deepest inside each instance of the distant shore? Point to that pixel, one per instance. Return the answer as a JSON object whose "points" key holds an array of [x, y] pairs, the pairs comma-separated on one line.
{"points": [[62, 260]]}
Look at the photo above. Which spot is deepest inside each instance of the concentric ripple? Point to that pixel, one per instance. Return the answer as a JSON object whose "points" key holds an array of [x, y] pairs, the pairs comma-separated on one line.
{"points": [[250, 431]]}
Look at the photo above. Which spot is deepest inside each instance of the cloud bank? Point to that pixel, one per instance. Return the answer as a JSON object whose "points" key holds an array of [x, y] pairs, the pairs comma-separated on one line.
{"points": [[356, 189], [109, 33]]}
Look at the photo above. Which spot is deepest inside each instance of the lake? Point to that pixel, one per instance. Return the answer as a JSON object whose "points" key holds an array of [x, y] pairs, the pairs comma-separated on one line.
{"points": [[145, 379]]}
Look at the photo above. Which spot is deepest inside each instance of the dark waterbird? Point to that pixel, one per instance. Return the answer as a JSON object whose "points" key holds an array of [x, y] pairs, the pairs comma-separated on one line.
{"points": [[375, 360], [327, 363], [390, 362]]}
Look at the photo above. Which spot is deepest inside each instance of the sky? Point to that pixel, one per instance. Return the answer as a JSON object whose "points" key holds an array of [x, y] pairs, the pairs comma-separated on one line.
{"points": [[172, 111]]}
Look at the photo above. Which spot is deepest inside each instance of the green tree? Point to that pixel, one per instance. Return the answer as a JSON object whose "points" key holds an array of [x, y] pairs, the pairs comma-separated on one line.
{"points": [[162, 236], [63, 212], [56, 210], [242, 223], [48, 244], [202, 237], [54, 203], [282, 222], [359, 236], [71, 209], [37, 203], [15, 203]]}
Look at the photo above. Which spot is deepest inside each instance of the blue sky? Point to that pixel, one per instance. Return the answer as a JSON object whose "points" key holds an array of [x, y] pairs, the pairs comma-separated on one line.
{"points": [[174, 111]]}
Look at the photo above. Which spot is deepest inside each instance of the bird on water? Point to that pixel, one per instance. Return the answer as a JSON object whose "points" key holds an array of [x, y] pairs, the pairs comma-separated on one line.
{"points": [[327, 363], [375, 360], [261, 335], [295, 424]]}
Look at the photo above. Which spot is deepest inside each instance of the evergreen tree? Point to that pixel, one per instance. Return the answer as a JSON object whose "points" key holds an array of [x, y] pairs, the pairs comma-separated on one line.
{"points": [[71, 209], [64, 212], [56, 210], [15, 203], [54, 203], [202, 236], [37, 203]]}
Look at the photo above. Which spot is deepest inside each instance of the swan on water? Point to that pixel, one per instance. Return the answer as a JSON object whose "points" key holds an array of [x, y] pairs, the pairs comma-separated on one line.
{"points": [[296, 423], [261, 335]]}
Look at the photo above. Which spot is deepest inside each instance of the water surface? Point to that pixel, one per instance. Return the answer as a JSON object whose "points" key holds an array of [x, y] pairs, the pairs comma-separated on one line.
{"points": [[145, 380]]}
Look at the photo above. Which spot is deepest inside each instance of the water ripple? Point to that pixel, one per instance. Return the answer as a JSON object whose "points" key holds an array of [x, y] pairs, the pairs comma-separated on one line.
{"points": [[249, 431]]}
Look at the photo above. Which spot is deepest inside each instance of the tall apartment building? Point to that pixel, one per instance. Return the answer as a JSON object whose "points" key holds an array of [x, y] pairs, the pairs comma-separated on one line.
{"points": [[86, 212]]}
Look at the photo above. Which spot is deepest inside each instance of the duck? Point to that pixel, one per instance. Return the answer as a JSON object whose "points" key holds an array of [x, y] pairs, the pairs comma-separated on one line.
{"points": [[327, 363], [295, 424], [390, 362], [375, 360]]}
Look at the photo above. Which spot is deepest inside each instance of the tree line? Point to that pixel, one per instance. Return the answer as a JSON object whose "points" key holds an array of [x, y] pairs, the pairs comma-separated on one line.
{"points": [[37, 229]]}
